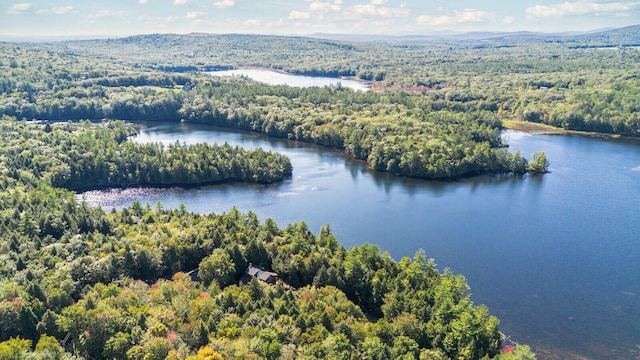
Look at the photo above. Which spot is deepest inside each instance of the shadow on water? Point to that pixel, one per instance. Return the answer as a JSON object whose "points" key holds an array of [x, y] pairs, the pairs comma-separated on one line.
{"points": [[387, 182], [553, 256], [194, 133], [413, 186]]}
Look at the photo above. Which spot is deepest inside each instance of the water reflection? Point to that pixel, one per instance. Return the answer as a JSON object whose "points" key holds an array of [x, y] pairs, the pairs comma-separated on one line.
{"points": [[280, 78], [554, 256]]}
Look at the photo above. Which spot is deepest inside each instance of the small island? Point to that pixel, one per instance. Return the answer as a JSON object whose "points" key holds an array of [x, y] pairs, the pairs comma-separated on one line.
{"points": [[428, 135], [116, 284]]}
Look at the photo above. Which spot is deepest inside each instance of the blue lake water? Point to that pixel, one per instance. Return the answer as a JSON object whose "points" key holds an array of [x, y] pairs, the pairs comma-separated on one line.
{"points": [[278, 78], [555, 257]]}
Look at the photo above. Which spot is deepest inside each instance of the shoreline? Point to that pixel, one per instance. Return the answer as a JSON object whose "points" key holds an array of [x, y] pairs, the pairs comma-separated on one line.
{"points": [[544, 129], [176, 185]]}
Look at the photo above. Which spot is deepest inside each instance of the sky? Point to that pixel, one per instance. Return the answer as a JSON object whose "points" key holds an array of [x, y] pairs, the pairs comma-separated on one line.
{"points": [[114, 18]]}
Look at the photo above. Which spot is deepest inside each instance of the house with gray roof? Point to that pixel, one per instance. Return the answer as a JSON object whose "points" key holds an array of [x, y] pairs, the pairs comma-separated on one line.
{"points": [[259, 273]]}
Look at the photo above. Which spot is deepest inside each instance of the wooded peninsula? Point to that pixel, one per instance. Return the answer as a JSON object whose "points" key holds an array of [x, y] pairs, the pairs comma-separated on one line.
{"points": [[146, 282]]}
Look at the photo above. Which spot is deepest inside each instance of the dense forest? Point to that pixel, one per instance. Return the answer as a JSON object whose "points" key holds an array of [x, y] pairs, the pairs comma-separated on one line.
{"points": [[411, 134], [79, 282], [80, 156], [585, 82], [82, 283]]}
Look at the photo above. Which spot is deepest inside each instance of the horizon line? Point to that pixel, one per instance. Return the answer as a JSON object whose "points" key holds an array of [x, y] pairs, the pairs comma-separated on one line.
{"points": [[435, 33]]}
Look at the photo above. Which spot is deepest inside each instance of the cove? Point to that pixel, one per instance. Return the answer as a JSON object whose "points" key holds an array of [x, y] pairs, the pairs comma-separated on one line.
{"points": [[280, 78], [553, 256]]}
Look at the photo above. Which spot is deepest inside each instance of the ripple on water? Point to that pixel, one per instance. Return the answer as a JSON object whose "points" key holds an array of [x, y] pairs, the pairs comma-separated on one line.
{"points": [[118, 198], [527, 245]]}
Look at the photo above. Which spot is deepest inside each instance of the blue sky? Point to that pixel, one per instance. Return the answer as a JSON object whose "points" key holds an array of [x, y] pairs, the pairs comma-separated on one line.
{"points": [[76, 18]]}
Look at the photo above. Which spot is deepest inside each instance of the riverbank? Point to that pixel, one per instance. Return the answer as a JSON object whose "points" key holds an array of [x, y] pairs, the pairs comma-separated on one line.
{"points": [[533, 275], [544, 129], [184, 186], [533, 128], [280, 77]]}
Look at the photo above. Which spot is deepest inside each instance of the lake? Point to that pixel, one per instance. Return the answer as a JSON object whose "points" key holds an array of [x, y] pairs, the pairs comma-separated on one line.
{"points": [[555, 257], [279, 78]]}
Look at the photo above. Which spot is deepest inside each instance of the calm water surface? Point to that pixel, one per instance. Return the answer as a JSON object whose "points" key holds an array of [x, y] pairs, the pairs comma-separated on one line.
{"points": [[555, 257], [278, 78]]}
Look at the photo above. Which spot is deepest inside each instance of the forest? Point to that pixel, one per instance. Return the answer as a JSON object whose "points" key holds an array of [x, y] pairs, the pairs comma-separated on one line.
{"points": [[584, 82], [410, 134], [80, 156], [81, 283]]}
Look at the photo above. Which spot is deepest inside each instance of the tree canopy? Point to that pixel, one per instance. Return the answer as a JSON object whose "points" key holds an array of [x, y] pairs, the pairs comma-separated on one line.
{"points": [[426, 135], [83, 155], [113, 285]]}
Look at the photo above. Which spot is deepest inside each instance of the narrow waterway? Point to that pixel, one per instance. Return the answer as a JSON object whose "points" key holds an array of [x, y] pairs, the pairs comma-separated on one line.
{"points": [[279, 78], [553, 256]]}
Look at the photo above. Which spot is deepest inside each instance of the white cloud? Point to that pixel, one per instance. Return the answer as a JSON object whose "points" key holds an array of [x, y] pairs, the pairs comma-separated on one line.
{"points": [[180, 2], [56, 10], [459, 17], [193, 14], [321, 6], [143, 1], [365, 9], [225, 3], [106, 13], [276, 23], [297, 15], [158, 19], [61, 10], [252, 22], [379, 11], [378, 2], [579, 7], [17, 9], [508, 20], [99, 14]]}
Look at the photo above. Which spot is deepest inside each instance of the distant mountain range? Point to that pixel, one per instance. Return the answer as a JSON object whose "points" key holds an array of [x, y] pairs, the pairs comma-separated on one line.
{"points": [[609, 37], [626, 36]]}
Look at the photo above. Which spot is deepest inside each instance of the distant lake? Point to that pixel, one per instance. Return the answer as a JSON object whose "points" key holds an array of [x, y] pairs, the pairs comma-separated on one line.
{"points": [[278, 78], [555, 257]]}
